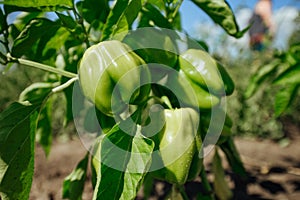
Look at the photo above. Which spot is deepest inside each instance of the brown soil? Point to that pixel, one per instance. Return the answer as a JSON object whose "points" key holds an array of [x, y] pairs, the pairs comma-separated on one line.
{"points": [[274, 170]]}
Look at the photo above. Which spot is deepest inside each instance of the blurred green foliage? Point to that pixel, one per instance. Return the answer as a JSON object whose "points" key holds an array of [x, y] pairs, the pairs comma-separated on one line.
{"points": [[256, 116], [14, 81]]}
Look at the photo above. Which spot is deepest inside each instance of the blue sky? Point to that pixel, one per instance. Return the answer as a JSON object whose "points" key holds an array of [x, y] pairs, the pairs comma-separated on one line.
{"points": [[200, 26], [192, 14], [276, 3]]}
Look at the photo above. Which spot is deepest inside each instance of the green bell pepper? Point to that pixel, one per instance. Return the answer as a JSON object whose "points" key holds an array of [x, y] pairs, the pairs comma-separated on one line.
{"points": [[178, 146], [111, 74]]}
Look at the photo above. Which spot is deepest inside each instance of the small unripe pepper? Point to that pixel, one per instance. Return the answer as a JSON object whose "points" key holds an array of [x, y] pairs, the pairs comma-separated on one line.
{"points": [[202, 69], [190, 93]]}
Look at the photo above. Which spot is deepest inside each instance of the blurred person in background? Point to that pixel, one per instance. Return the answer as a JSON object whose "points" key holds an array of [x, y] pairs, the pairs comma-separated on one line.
{"points": [[261, 29]]}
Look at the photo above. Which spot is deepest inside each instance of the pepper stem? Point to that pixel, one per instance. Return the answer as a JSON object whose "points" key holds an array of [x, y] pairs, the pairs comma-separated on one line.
{"points": [[206, 186], [166, 101], [182, 192], [41, 66], [65, 85]]}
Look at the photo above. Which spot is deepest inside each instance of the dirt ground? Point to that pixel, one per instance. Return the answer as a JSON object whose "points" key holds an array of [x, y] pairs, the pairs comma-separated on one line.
{"points": [[274, 170]]}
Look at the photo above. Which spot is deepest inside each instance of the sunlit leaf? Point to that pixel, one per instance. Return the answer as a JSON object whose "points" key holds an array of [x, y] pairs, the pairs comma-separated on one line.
{"points": [[221, 13], [140, 161], [260, 76], [161, 5], [290, 76], [46, 5], [54, 45], [121, 17], [284, 98], [125, 160], [110, 180]]}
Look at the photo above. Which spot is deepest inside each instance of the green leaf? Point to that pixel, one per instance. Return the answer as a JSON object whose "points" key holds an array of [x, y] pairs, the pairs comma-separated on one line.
{"points": [[72, 93], [284, 98], [140, 161], [176, 23], [161, 5], [90, 122], [10, 9], [290, 76], [74, 96], [17, 140], [74, 183], [38, 29], [221, 13], [110, 181], [44, 127], [151, 13], [148, 186], [37, 92], [54, 45], [106, 122], [227, 80], [121, 18], [90, 12], [46, 5], [125, 160], [67, 21], [20, 21], [260, 76], [221, 186]]}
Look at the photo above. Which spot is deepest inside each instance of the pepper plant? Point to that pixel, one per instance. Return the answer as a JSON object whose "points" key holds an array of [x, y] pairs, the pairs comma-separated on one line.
{"points": [[155, 96]]}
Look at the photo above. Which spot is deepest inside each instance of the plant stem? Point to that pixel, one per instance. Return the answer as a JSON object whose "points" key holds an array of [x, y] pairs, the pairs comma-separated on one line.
{"points": [[166, 100], [234, 158], [182, 192], [65, 85], [206, 186], [41, 66]]}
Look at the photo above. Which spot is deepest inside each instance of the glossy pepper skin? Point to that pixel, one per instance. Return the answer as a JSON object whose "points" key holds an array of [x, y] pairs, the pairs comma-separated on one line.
{"points": [[197, 162], [202, 69], [178, 144], [113, 65], [190, 93]]}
